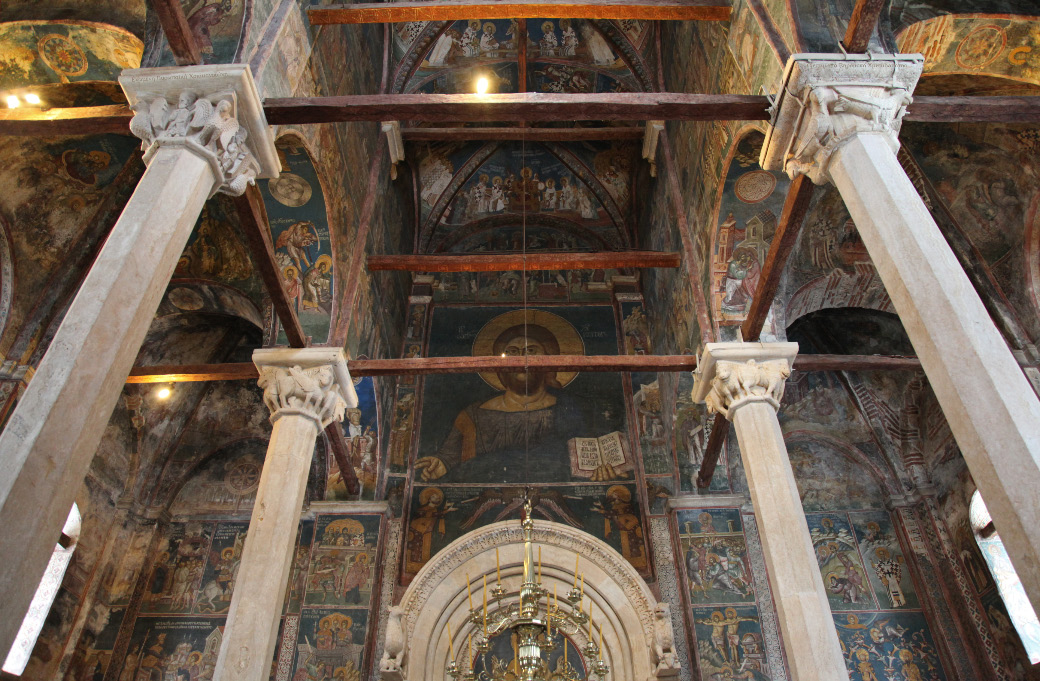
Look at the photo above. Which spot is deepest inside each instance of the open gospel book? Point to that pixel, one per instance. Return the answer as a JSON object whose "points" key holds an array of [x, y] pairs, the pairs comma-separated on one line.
{"points": [[589, 453]]}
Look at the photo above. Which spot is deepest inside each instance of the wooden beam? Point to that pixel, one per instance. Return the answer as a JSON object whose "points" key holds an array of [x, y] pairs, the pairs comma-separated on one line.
{"points": [[80, 120], [527, 106], [974, 110], [255, 227], [467, 365], [174, 24], [428, 10], [523, 106], [712, 450], [856, 363], [795, 207], [190, 373], [501, 133], [862, 24], [517, 261], [338, 443]]}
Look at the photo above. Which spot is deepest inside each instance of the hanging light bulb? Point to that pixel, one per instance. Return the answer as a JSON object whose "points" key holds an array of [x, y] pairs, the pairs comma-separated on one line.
{"points": [[164, 392], [32, 98], [482, 85], [12, 102]]}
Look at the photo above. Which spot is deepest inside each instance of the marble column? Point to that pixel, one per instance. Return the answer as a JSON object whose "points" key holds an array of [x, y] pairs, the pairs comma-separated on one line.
{"points": [[837, 120], [204, 131], [305, 390], [745, 383]]}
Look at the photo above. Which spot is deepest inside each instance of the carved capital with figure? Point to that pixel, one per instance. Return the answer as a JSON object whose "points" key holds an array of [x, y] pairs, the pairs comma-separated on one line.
{"points": [[827, 99], [732, 374], [212, 111], [311, 382]]}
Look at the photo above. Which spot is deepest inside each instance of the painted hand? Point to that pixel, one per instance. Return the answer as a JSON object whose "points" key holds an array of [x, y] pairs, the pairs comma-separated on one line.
{"points": [[430, 468], [607, 472]]}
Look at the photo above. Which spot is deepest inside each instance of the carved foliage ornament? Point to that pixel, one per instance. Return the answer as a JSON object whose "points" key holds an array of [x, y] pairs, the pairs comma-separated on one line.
{"points": [[738, 383], [313, 391], [206, 125], [826, 100]]}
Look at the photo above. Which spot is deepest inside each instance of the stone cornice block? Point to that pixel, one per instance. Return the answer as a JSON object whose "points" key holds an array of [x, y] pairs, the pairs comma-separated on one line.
{"points": [[207, 81], [735, 352], [825, 98]]}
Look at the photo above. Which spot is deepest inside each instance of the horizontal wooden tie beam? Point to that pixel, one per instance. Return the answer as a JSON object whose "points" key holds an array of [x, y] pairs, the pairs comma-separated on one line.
{"points": [[428, 10], [503, 133], [526, 106], [466, 365], [517, 261], [522, 106]]}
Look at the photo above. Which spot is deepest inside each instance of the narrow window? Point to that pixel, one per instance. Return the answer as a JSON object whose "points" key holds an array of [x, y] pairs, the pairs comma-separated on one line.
{"points": [[1023, 617], [46, 592]]}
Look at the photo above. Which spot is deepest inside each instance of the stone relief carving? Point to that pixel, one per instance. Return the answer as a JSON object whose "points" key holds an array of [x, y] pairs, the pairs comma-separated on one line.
{"points": [[664, 642], [827, 100], [736, 383], [313, 391], [394, 645], [668, 583], [205, 125]]}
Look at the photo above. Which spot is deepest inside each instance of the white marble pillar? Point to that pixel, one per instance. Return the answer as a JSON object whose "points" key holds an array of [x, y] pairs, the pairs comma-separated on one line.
{"points": [[745, 383], [305, 390], [837, 120], [204, 131]]}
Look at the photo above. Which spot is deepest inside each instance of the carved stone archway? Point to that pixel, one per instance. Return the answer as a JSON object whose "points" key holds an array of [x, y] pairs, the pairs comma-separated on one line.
{"points": [[637, 630]]}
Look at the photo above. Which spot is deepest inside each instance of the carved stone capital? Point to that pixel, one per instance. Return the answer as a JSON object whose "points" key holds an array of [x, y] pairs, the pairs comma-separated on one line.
{"points": [[826, 99], [311, 382], [213, 111], [729, 375]]}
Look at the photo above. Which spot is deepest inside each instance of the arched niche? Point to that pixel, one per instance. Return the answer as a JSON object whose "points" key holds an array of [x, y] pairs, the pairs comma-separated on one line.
{"points": [[637, 631]]}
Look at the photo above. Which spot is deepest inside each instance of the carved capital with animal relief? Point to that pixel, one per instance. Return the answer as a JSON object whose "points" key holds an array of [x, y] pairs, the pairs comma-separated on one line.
{"points": [[827, 99], [212, 111], [729, 375], [311, 382]]}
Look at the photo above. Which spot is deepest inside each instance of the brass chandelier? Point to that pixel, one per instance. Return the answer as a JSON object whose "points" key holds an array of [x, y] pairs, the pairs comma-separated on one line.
{"points": [[540, 622]]}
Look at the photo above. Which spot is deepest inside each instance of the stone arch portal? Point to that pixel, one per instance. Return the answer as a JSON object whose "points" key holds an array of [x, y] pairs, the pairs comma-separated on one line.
{"points": [[637, 630]]}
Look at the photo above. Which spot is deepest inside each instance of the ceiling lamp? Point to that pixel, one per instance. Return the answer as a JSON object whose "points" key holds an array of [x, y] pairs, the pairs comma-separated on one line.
{"points": [[540, 622]]}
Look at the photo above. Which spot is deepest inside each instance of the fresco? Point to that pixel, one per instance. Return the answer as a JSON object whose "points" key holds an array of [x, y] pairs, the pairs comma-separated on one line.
{"points": [[331, 644], [225, 483], [361, 429], [218, 27], [587, 187], [886, 565], [751, 202], [342, 561], [173, 648], [654, 437], [691, 427], [553, 286], [501, 662], [177, 571], [729, 643], [714, 556], [215, 251], [299, 222], [837, 553], [828, 480], [560, 55], [440, 514], [882, 645], [523, 427], [35, 53], [979, 53]]}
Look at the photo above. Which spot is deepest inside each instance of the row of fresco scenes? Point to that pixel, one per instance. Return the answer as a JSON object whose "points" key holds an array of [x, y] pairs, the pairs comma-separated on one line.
{"points": [[877, 614], [187, 592]]}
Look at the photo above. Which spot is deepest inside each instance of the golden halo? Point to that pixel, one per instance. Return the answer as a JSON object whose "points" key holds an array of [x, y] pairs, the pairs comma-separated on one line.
{"points": [[566, 336]]}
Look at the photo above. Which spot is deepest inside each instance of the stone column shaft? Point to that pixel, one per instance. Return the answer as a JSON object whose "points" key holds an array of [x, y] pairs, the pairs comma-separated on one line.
{"points": [[306, 390], [745, 382], [196, 144], [991, 408], [811, 642], [837, 120], [55, 430]]}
